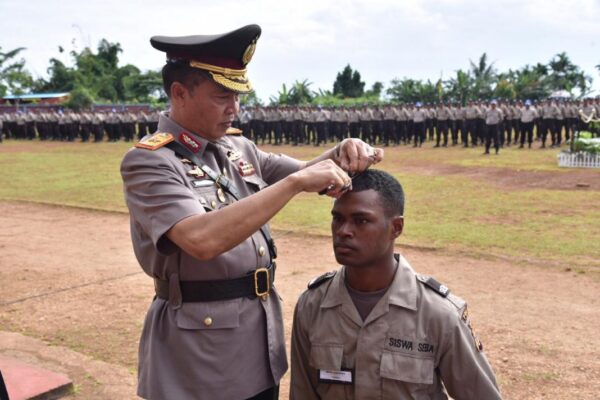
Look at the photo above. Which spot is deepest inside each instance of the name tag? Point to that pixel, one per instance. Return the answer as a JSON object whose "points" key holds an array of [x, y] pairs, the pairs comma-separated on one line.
{"points": [[202, 183], [345, 377]]}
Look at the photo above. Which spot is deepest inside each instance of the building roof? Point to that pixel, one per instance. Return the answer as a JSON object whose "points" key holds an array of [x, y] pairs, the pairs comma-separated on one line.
{"points": [[32, 96]]}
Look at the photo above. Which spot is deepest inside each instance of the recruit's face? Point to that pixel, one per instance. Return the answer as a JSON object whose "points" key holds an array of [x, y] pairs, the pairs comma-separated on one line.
{"points": [[210, 109], [362, 234]]}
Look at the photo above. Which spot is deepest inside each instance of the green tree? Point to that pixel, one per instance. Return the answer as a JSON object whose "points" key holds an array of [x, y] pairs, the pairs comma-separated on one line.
{"points": [[80, 98], [375, 90], [484, 77], [564, 75], [348, 83], [459, 88], [14, 78], [410, 91]]}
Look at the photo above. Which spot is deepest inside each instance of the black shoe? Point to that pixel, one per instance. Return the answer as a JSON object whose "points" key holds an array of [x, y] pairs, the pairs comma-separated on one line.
{"points": [[521, 146]]}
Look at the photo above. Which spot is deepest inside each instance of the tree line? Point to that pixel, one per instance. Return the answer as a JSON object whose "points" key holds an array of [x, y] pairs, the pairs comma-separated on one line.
{"points": [[95, 77]]}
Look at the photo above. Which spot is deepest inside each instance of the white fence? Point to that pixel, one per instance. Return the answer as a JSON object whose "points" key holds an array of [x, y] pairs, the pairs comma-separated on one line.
{"points": [[580, 159]]}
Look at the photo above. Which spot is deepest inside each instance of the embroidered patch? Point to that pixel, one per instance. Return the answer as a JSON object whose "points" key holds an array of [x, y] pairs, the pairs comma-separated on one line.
{"points": [[155, 141], [189, 142], [465, 318], [398, 343]]}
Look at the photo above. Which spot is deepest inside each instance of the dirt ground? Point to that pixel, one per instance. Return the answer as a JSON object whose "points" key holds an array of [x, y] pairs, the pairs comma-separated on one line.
{"points": [[73, 298]]}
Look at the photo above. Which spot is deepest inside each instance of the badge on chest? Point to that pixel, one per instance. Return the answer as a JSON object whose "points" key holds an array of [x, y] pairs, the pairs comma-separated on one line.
{"points": [[345, 376]]}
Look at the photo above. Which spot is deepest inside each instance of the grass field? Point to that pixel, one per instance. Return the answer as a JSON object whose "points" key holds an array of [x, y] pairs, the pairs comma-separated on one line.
{"points": [[464, 210]]}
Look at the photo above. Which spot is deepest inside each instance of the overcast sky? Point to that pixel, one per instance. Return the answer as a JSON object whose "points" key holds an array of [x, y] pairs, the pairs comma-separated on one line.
{"points": [[315, 39]]}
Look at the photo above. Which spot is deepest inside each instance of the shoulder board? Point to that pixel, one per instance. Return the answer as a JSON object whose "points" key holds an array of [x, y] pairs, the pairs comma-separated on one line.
{"points": [[318, 281], [431, 283], [233, 131], [155, 141]]}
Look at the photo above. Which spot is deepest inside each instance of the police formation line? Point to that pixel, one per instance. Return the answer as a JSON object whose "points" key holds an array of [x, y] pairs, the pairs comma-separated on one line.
{"points": [[488, 123], [85, 126], [498, 123]]}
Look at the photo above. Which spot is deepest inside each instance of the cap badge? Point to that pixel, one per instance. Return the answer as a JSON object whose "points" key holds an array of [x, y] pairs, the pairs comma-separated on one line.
{"points": [[249, 52]]}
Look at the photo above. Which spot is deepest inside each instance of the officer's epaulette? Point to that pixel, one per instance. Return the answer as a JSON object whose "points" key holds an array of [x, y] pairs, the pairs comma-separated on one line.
{"points": [[155, 141], [233, 131], [319, 280], [431, 283]]}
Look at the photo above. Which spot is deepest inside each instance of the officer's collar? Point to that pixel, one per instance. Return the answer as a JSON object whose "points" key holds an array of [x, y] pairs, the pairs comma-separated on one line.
{"points": [[402, 291], [191, 140]]}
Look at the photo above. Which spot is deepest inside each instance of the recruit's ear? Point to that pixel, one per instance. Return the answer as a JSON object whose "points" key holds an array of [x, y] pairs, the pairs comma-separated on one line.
{"points": [[397, 225]]}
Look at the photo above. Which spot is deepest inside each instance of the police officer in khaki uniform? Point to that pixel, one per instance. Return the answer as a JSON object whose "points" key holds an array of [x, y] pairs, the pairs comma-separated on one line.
{"points": [[375, 329], [199, 201]]}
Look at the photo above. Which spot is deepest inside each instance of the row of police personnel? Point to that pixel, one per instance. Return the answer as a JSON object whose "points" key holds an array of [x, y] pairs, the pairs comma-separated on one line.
{"points": [[414, 123], [68, 125]]}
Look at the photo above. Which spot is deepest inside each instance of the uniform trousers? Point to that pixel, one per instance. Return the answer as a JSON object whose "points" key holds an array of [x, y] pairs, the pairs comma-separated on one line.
{"points": [[526, 131], [442, 129], [419, 129], [492, 133], [545, 126]]}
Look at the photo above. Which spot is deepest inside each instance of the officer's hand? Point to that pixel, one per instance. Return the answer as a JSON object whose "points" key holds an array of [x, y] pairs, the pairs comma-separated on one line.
{"points": [[324, 177], [354, 155]]}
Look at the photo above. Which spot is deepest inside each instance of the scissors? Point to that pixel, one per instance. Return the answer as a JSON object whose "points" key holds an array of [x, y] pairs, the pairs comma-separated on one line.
{"points": [[344, 188]]}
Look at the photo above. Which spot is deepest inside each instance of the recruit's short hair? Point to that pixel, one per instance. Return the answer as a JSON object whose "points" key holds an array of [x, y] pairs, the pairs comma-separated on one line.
{"points": [[389, 189], [180, 71]]}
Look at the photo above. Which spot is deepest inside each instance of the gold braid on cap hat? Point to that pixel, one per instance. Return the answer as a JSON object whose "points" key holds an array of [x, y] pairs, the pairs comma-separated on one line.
{"points": [[217, 69]]}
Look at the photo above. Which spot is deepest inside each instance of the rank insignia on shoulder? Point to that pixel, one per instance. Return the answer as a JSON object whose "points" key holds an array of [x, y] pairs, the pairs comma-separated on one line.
{"points": [[233, 131], [319, 280], [431, 283], [246, 169], [155, 141], [189, 142]]}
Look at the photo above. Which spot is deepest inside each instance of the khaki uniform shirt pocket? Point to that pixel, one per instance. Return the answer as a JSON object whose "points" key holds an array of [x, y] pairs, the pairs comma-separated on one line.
{"points": [[209, 315], [327, 357], [209, 197], [405, 376]]}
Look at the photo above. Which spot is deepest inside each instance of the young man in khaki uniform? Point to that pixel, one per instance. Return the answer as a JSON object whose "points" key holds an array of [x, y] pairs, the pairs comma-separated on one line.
{"points": [[199, 200], [375, 329]]}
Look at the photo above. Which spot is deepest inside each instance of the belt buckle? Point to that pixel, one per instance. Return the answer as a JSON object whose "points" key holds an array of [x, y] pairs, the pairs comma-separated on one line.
{"points": [[262, 294]]}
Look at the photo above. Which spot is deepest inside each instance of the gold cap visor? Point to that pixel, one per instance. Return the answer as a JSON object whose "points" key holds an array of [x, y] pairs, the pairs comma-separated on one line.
{"points": [[235, 80]]}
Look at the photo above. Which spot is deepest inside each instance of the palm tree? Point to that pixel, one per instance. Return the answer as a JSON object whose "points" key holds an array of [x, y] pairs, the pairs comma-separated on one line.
{"points": [[459, 87], [484, 77]]}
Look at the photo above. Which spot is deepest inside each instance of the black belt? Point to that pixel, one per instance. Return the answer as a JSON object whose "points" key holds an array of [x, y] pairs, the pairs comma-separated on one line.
{"points": [[257, 283]]}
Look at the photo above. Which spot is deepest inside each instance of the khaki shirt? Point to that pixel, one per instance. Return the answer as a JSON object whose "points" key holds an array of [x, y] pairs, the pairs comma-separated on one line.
{"points": [[413, 344], [242, 352], [493, 116], [528, 115], [419, 115]]}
